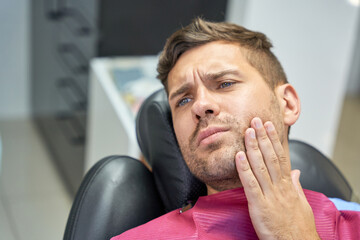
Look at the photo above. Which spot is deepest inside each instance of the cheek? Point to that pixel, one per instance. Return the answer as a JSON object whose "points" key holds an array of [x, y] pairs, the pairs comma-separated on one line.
{"points": [[182, 131]]}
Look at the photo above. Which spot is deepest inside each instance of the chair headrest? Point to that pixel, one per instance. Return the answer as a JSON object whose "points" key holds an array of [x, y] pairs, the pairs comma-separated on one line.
{"points": [[318, 173], [158, 143]]}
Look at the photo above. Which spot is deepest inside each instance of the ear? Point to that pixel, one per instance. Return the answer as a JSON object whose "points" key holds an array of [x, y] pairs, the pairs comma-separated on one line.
{"points": [[289, 103]]}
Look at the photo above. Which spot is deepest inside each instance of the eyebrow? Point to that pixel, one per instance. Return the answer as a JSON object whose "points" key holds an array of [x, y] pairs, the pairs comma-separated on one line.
{"points": [[208, 77], [184, 88], [214, 76]]}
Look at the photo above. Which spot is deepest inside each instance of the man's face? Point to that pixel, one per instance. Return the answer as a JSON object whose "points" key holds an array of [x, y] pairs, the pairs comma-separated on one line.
{"points": [[213, 94]]}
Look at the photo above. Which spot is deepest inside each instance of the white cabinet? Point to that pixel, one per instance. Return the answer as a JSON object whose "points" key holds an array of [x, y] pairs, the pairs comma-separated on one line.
{"points": [[117, 88]]}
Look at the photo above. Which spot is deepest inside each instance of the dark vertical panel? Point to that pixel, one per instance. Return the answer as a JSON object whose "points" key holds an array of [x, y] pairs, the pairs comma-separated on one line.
{"points": [[140, 27]]}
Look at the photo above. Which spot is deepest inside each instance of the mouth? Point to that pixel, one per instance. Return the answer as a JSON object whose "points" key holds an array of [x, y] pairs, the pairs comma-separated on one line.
{"points": [[210, 135]]}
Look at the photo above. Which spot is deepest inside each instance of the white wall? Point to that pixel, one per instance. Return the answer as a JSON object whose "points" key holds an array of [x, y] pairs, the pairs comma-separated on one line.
{"points": [[314, 42], [353, 86], [14, 59]]}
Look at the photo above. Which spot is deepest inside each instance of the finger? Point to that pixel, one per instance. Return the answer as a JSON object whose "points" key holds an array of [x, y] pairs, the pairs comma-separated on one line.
{"points": [[267, 150], [251, 186], [256, 161], [295, 177], [284, 161]]}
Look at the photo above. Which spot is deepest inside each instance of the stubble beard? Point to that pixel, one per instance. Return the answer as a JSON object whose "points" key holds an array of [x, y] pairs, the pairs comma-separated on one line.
{"points": [[214, 164]]}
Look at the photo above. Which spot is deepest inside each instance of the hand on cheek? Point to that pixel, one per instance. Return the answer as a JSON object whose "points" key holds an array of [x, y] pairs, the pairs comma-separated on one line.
{"points": [[277, 205]]}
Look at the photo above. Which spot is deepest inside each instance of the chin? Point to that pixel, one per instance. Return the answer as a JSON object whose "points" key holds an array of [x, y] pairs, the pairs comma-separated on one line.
{"points": [[217, 167], [214, 164]]}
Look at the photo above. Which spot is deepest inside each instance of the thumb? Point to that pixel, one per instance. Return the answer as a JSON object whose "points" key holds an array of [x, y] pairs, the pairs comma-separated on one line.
{"points": [[295, 177]]}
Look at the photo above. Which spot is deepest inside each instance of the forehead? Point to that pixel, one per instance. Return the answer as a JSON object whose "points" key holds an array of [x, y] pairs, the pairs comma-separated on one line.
{"points": [[209, 58]]}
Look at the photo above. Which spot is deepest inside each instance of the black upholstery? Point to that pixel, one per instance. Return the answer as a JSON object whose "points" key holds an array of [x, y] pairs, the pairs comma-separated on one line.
{"points": [[108, 201], [119, 193], [318, 173], [158, 143]]}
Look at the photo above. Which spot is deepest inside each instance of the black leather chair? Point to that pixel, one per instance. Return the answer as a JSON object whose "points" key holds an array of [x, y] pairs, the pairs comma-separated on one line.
{"points": [[120, 193]]}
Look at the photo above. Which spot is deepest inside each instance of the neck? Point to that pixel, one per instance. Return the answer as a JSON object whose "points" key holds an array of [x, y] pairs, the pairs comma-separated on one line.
{"points": [[223, 186], [211, 190]]}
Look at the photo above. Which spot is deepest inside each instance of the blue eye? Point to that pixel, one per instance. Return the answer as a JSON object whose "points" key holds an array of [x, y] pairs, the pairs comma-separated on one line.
{"points": [[226, 84], [183, 101]]}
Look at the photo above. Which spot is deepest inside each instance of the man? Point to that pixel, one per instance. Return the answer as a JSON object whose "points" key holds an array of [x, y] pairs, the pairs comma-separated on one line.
{"points": [[232, 108]]}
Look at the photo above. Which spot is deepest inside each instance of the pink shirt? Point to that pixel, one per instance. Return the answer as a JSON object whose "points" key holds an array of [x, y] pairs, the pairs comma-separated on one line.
{"points": [[225, 216]]}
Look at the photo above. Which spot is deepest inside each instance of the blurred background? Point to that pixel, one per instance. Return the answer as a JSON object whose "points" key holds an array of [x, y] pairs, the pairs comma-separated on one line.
{"points": [[61, 110]]}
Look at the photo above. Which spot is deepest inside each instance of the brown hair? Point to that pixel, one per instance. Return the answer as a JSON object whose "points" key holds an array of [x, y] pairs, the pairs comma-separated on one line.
{"points": [[254, 45]]}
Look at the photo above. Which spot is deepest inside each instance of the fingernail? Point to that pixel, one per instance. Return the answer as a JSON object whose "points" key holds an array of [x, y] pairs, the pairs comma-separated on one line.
{"points": [[242, 156], [258, 123], [252, 133], [270, 126]]}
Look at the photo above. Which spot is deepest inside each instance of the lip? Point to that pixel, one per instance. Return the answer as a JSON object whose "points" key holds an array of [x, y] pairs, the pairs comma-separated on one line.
{"points": [[208, 132]]}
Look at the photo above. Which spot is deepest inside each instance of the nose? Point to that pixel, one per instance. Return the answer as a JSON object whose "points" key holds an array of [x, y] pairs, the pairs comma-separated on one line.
{"points": [[205, 104]]}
